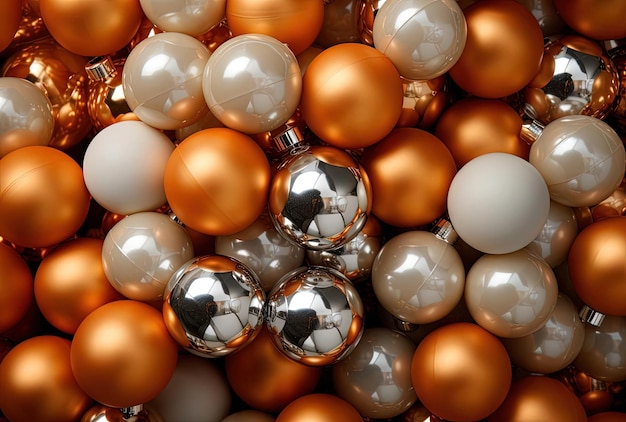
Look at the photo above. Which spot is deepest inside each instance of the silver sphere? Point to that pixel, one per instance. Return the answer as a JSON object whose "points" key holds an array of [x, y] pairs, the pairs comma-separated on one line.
{"points": [[213, 305], [315, 316]]}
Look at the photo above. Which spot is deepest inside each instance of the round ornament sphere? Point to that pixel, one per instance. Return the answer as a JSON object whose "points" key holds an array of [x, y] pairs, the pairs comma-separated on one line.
{"points": [[224, 197], [162, 80], [142, 251], [608, 417], [425, 290], [352, 95], [600, 21], [252, 83], [25, 115], [320, 198], [293, 22], [423, 38], [16, 287], [503, 49], [410, 171], [315, 316], [602, 354], [250, 415], [92, 28], [498, 203], [213, 305], [193, 17], [461, 351], [9, 22], [319, 407], [123, 167], [581, 158], [43, 197]]}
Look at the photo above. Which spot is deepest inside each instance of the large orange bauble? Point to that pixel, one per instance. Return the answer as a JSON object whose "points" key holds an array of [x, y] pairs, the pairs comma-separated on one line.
{"points": [[217, 181], [10, 15], [352, 95], [94, 27], [319, 407], [43, 197], [461, 372], [16, 288], [608, 417], [601, 20], [410, 171], [503, 51]]}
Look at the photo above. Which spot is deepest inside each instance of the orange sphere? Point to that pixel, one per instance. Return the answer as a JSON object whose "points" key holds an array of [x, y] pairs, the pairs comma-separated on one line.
{"points": [[70, 283], [410, 171], [16, 288], [43, 197], [319, 407], [266, 379], [10, 16], [608, 417], [217, 181], [352, 95], [461, 372], [600, 20], [94, 27], [475, 126], [36, 382], [503, 51], [597, 266], [122, 354], [539, 398], [293, 22]]}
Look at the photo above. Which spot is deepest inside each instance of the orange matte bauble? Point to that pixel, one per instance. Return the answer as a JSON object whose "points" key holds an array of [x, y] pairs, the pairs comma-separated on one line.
{"points": [[122, 354], [70, 283], [217, 181], [539, 398], [319, 407], [352, 95], [293, 22], [16, 287], [608, 417], [410, 171], [503, 50], [10, 17], [43, 197], [461, 372], [265, 378], [36, 382], [600, 20], [474, 126], [597, 266], [94, 27]]}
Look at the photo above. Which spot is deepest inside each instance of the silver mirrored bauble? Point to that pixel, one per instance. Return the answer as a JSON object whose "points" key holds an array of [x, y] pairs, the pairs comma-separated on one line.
{"points": [[213, 305], [315, 316]]}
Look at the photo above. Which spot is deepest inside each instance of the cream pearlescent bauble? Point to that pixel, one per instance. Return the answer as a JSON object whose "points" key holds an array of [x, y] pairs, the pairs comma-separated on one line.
{"points": [[191, 17]]}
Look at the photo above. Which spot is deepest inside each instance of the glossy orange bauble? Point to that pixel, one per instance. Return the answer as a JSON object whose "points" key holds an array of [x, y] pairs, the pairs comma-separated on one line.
{"points": [[10, 14], [319, 407], [410, 171], [601, 20], [94, 27], [503, 50], [16, 288]]}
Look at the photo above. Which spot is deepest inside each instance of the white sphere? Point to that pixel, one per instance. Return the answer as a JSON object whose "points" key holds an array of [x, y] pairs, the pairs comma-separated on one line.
{"points": [[124, 167], [498, 203]]}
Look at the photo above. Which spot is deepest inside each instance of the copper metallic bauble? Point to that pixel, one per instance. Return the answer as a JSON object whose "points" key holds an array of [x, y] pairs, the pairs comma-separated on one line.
{"points": [[546, 14], [595, 395], [101, 413], [16, 287], [600, 21], [319, 407], [424, 102], [10, 13], [340, 23], [603, 354]]}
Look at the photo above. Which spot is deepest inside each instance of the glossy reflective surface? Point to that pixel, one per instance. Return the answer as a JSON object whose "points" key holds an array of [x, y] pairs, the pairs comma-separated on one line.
{"points": [[557, 235], [106, 103], [191, 17], [315, 316], [603, 355]]}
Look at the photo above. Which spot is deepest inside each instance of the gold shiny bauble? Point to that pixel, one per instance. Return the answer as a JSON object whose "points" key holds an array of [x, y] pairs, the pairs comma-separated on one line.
{"points": [[410, 171], [43, 197], [31, 27], [475, 126], [539, 398], [351, 95], [461, 372], [503, 50], [319, 407], [598, 20], [10, 15], [266, 379], [92, 28], [122, 354], [597, 266], [293, 22], [70, 283], [16, 287], [217, 181], [36, 382]]}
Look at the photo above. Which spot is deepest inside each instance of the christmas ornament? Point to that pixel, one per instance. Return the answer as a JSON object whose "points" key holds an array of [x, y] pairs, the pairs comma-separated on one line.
{"points": [[16, 287], [616, 50], [11, 12], [461, 351], [548, 18], [597, 21], [595, 395], [339, 25], [366, 12], [249, 415], [188, 17], [424, 102], [602, 354], [315, 316], [101, 413], [608, 417], [213, 305], [319, 407], [612, 206]]}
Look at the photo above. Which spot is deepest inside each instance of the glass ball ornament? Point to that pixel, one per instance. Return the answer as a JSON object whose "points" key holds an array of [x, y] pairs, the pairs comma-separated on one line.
{"points": [[315, 316], [600, 21], [339, 25], [162, 80], [11, 12], [319, 198], [617, 52], [545, 12], [424, 102], [366, 13], [102, 413], [16, 288], [597, 396], [423, 38], [252, 83], [603, 354], [213, 305], [193, 17]]}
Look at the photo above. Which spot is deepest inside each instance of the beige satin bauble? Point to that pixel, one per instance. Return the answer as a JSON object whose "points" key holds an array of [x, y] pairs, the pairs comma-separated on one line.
{"points": [[16, 288], [193, 17], [602, 355], [319, 407], [597, 20]]}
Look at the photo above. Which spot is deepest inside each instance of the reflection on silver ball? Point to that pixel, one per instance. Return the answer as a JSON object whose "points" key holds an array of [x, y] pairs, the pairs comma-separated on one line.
{"points": [[213, 305], [320, 198], [315, 316]]}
